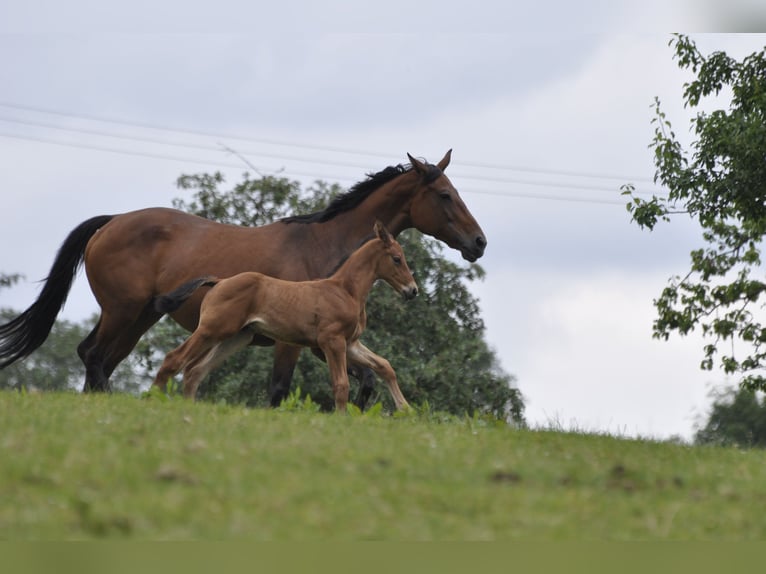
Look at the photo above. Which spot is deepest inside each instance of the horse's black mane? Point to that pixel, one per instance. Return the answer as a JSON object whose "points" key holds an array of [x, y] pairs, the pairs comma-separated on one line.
{"points": [[359, 192]]}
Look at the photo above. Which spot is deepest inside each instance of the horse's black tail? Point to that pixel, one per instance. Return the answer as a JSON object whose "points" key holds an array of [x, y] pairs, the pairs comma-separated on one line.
{"points": [[25, 333], [169, 302]]}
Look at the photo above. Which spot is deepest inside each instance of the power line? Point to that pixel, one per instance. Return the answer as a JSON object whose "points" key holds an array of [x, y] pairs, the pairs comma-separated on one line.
{"points": [[567, 198], [150, 155], [295, 173], [358, 152], [207, 147]]}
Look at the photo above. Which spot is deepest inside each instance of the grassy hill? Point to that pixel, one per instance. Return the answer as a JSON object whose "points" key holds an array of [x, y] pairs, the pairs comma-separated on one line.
{"points": [[87, 467]]}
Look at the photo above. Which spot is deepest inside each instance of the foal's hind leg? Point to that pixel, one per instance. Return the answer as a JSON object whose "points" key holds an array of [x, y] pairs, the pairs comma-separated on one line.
{"points": [[191, 351], [361, 355], [196, 370], [197, 356]]}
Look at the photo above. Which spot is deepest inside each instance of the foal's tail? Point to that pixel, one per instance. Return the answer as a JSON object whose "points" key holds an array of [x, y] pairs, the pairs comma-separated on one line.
{"points": [[28, 331], [169, 302]]}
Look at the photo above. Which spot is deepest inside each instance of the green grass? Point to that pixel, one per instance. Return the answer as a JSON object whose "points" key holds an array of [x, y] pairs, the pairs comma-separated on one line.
{"points": [[85, 467]]}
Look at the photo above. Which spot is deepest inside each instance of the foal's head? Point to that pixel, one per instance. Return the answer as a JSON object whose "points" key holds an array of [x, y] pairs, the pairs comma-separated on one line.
{"points": [[392, 266]]}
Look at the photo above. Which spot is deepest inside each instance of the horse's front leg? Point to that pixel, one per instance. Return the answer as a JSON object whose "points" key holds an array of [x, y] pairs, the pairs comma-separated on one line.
{"points": [[285, 359]]}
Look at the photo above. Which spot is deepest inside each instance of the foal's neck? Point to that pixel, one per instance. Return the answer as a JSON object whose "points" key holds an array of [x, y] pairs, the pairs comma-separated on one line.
{"points": [[359, 271]]}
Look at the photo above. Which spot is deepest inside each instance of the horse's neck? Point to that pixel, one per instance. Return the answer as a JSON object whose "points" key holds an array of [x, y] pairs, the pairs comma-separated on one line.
{"points": [[389, 204], [358, 272]]}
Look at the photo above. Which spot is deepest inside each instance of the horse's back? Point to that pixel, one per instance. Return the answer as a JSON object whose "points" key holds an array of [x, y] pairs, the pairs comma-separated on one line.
{"points": [[140, 254]]}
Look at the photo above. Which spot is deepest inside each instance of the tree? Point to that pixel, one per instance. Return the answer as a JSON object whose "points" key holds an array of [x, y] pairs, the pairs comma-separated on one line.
{"points": [[737, 418], [8, 280], [720, 182], [435, 342]]}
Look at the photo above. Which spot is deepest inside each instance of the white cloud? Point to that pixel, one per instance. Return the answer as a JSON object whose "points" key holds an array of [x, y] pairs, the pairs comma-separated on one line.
{"points": [[582, 350]]}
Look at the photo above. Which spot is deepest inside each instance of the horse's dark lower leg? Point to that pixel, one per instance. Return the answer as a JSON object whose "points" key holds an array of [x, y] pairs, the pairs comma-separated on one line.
{"points": [[285, 359], [366, 378], [109, 343], [95, 379]]}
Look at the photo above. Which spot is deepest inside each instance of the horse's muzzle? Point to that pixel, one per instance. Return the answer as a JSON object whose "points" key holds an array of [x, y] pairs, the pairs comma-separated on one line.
{"points": [[410, 292], [475, 249]]}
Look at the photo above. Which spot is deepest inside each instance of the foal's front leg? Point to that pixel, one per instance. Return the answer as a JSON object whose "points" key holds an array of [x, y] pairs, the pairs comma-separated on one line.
{"points": [[335, 352], [361, 355], [364, 375]]}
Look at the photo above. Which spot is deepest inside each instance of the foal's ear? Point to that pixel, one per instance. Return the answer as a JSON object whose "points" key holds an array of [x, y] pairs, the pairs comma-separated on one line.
{"points": [[417, 165], [442, 165], [382, 233]]}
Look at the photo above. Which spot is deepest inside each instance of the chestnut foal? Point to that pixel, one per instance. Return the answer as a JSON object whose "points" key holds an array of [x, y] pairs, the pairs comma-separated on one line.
{"points": [[326, 314]]}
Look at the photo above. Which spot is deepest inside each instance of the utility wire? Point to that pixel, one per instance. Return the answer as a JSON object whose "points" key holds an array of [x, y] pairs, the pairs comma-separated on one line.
{"points": [[295, 173], [242, 153], [151, 155], [567, 173]]}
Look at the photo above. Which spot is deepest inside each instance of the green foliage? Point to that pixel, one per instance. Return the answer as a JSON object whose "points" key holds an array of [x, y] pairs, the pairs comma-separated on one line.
{"points": [[737, 418], [435, 342], [294, 403], [721, 183], [8, 280], [172, 391]]}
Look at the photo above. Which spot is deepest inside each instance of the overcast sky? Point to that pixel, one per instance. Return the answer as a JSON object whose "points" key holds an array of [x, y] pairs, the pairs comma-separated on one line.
{"points": [[545, 124]]}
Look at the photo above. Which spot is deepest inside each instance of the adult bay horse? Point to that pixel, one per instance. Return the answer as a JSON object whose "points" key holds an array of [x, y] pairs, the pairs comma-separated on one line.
{"points": [[324, 314], [132, 257]]}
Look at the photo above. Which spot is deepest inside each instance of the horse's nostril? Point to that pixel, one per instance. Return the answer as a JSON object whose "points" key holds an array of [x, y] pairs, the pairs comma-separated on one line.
{"points": [[481, 242]]}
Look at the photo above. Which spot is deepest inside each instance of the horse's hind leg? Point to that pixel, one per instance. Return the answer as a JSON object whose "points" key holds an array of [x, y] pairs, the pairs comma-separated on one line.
{"points": [[366, 378], [95, 379], [285, 359], [110, 342]]}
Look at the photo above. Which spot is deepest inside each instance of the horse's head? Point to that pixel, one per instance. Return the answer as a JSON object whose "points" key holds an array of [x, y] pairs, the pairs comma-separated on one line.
{"points": [[392, 266], [438, 210]]}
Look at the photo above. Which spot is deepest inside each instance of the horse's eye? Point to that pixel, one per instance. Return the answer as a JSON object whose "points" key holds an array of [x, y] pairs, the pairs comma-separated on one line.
{"points": [[445, 195], [397, 259]]}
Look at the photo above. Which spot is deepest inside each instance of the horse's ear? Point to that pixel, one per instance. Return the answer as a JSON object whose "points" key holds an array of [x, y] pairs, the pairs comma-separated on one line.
{"points": [[382, 233], [417, 165], [442, 165]]}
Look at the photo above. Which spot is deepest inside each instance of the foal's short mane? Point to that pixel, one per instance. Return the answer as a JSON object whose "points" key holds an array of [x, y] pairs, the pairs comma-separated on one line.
{"points": [[346, 257], [359, 192]]}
